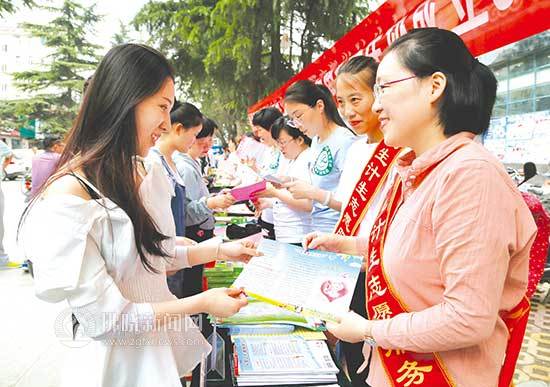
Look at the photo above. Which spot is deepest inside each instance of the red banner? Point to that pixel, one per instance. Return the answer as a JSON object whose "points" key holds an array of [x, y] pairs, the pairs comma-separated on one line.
{"points": [[484, 25]]}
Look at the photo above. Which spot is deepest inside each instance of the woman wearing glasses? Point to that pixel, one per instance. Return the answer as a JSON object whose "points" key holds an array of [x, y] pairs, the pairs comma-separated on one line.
{"points": [[447, 256], [314, 112], [292, 216]]}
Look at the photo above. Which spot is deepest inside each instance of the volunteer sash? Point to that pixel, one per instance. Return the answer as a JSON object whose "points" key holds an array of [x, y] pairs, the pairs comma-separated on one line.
{"points": [[367, 187], [405, 368]]}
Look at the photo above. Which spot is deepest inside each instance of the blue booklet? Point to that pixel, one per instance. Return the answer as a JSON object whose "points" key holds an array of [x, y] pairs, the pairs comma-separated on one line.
{"points": [[315, 283]]}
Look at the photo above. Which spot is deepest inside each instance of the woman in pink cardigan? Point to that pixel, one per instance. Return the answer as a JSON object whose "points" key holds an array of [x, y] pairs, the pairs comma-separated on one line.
{"points": [[447, 257]]}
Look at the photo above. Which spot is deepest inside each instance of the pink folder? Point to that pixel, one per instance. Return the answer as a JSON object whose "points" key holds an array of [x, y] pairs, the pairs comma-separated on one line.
{"points": [[245, 193]]}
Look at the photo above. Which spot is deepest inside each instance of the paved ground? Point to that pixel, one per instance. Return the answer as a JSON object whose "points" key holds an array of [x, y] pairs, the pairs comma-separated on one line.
{"points": [[31, 354]]}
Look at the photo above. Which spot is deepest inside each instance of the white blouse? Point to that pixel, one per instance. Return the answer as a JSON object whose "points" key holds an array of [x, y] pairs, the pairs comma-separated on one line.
{"points": [[84, 251]]}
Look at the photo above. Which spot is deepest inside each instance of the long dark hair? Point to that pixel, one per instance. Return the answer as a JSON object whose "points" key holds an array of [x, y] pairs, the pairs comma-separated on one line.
{"points": [[470, 93], [309, 93], [103, 142]]}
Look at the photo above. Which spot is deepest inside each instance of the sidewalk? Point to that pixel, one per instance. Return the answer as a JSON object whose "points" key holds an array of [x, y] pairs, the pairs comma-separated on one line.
{"points": [[31, 355]]}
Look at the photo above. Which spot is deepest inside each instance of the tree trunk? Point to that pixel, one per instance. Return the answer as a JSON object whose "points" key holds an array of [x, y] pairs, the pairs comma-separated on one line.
{"points": [[290, 39], [276, 57], [256, 53], [305, 41]]}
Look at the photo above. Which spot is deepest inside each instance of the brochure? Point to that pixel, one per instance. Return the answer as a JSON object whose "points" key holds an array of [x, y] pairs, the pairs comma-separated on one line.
{"points": [[272, 179], [246, 192], [314, 283]]}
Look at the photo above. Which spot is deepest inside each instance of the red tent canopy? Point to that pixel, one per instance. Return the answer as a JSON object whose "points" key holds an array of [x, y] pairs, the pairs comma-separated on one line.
{"points": [[484, 25]]}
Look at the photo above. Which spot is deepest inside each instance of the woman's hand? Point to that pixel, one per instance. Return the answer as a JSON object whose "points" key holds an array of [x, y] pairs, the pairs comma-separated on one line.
{"points": [[269, 192], [300, 189], [330, 242], [261, 204], [239, 251], [222, 200], [223, 302], [251, 163], [350, 328]]}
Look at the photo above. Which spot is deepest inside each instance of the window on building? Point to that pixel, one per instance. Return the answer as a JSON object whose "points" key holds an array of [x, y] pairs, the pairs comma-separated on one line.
{"points": [[542, 104], [543, 59], [521, 94], [523, 73], [520, 107], [499, 111], [522, 66], [543, 90]]}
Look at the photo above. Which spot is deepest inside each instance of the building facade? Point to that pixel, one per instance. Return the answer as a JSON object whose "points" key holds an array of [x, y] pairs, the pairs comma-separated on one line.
{"points": [[520, 126]]}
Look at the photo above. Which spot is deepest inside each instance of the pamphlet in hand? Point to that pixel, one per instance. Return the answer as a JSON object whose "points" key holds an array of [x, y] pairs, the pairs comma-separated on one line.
{"points": [[272, 179], [315, 283], [248, 191]]}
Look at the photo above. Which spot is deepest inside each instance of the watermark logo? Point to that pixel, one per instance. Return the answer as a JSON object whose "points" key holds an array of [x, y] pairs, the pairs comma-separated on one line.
{"points": [[127, 329], [65, 330]]}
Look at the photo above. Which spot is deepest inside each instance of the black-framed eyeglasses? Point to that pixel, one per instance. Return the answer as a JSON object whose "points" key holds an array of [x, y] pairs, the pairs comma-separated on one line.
{"points": [[378, 88]]}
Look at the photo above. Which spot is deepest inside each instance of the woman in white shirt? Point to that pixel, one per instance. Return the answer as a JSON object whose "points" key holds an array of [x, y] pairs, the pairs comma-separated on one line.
{"points": [[314, 112], [292, 217], [102, 237], [272, 160]]}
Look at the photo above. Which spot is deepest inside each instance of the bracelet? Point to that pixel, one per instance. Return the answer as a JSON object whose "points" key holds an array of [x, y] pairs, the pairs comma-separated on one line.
{"points": [[327, 198]]}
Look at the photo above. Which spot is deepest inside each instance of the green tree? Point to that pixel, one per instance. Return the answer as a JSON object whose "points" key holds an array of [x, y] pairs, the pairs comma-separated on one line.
{"points": [[123, 34], [228, 53], [7, 6], [57, 87]]}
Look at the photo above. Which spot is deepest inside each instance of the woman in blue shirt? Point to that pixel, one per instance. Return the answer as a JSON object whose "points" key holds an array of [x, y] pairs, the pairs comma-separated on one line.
{"points": [[186, 122]]}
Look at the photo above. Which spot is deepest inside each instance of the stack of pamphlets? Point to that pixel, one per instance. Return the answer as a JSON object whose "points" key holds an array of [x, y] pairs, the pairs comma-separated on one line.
{"points": [[275, 360], [223, 274], [258, 312]]}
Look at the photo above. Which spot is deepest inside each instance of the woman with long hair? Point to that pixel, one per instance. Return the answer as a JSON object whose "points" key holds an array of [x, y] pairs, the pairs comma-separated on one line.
{"points": [[101, 234], [314, 112]]}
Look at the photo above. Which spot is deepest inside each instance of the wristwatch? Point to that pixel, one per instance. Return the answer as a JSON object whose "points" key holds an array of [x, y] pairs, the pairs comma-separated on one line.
{"points": [[368, 335], [370, 341]]}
